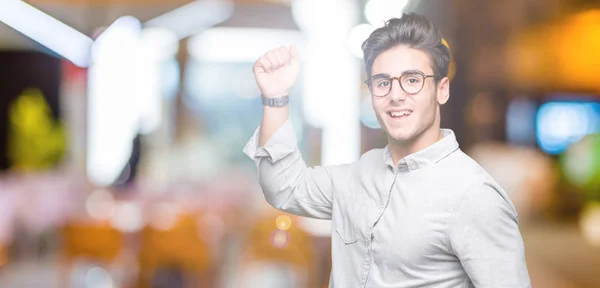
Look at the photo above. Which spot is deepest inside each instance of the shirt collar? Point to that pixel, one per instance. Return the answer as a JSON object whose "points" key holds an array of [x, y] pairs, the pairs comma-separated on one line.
{"points": [[430, 155]]}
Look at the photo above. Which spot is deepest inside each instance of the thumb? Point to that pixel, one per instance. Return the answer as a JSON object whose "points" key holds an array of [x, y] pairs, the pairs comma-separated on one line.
{"points": [[294, 53]]}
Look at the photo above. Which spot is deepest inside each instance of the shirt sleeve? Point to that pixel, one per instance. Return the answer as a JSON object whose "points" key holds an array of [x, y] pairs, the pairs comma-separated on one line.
{"points": [[485, 236], [287, 183]]}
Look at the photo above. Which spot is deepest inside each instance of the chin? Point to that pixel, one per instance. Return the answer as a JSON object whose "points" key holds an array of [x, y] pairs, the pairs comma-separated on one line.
{"points": [[401, 136]]}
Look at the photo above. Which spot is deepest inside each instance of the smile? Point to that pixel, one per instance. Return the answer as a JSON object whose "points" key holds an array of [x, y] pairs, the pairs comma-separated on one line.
{"points": [[399, 114]]}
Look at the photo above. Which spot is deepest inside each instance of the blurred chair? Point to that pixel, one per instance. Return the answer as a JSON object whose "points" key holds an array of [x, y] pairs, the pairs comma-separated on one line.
{"points": [[96, 240], [168, 255], [275, 257], [93, 241]]}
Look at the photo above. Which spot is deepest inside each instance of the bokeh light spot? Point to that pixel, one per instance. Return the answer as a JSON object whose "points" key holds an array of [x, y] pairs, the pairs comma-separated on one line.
{"points": [[283, 222]]}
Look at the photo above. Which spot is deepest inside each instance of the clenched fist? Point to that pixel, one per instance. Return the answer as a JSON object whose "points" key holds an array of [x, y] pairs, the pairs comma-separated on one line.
{"points": [[277, 71]]}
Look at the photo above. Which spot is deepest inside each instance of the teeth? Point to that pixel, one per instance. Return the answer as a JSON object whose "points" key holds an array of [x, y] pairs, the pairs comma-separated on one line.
{"points": [[399, 114]]}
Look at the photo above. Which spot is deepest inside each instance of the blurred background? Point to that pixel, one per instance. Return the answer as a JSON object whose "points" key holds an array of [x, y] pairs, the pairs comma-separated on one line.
{"points": [[122, 124]]}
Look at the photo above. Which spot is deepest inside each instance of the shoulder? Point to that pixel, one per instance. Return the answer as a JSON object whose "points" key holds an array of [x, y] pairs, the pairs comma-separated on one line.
{"points": [[370, 161], [372, 155], [474, 184], [488, 195], [485, 201], [367, 162], [463, 171]]}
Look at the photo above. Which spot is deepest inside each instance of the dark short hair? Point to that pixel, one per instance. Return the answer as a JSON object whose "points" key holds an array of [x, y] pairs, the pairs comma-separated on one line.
{"points": [[412, 30]]}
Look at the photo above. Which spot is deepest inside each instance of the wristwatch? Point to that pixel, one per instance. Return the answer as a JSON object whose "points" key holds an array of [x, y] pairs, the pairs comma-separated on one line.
{"points": [[276, 102]]}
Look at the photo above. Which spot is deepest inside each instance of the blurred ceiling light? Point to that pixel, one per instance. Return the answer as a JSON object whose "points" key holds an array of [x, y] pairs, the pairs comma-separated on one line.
{"points": [[324, 17], [113, 116], [126, 29], [156, 47], [49, 32], [379, 11], [224, 44], [194, 17], [158, 43], [357, 36], [327, 25]]}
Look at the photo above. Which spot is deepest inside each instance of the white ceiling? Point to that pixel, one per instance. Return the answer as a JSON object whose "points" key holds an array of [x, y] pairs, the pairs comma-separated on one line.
{"points": [[85, 18], [88, 18]]}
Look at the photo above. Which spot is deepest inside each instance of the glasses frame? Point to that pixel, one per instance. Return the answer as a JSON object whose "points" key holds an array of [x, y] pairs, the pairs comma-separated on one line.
{"points": [[368, 82]]}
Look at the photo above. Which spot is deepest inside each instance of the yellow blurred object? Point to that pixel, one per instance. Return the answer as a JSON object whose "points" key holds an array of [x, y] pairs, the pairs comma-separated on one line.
{"points": [[178, 246], [452, 67], [35, 140], [95, 240], [264, 235], [268, 243], [283, 222], [559, 56], [3, 256], [589, 223], [578, 51]]}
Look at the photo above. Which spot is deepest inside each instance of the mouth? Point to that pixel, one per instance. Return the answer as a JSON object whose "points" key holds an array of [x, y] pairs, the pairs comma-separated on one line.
{"points": [[399, 114]]}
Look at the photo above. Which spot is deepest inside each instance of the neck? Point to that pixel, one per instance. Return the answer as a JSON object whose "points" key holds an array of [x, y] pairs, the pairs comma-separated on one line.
{"points": [[401, 149]]}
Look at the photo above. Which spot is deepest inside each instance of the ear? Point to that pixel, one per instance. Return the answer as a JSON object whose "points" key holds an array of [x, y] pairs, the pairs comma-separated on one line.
{"points": [[443, 91]]}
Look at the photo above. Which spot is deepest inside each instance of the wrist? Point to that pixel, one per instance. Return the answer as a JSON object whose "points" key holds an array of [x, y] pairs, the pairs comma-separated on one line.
{"points": [[275, 94], [276, 102]]}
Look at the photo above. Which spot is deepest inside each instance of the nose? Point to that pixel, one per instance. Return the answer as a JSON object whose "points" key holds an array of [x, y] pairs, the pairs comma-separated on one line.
{"points": [[396, 93]]}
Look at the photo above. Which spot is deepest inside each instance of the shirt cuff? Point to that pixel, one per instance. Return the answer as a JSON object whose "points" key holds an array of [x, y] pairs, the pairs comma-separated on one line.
{"points": [[281, 144]]}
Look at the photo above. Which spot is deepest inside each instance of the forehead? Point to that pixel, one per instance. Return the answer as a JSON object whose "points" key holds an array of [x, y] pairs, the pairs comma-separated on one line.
{"points": [[399, 59]]}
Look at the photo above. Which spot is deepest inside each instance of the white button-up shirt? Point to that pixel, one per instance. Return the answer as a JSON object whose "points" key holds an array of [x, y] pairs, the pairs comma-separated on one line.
{"points": [[436, 219]]}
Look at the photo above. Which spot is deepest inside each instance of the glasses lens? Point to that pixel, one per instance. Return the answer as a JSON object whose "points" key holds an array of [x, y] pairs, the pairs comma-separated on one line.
{"points": [[412, 82], [380, 86]]}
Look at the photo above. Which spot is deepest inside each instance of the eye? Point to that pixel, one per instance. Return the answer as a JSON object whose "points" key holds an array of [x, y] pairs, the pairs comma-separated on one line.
{"points": [[413, 80], [383, 83]]}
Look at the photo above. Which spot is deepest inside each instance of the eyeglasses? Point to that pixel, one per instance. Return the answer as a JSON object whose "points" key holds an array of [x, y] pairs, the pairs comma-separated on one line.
{"points": [[411, 82]]}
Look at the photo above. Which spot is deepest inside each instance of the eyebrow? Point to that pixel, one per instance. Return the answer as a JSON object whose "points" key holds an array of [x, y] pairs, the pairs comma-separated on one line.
{"points": [[416, 71], [381, 75], [385, 75]]}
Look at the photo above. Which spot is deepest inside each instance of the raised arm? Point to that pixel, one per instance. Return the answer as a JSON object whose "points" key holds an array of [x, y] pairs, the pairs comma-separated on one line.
{"points": [[287, 183]]}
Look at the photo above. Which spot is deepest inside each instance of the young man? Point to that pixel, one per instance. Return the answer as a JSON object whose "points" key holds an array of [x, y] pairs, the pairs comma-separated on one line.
{"points": [[418, 213]]}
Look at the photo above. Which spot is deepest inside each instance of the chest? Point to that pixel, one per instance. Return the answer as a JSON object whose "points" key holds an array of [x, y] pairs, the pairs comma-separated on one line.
{"points": [[412, 229], [405, 219]]}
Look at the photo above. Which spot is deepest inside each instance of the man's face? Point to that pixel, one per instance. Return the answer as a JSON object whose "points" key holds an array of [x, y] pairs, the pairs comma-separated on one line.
{"points": [[404, 117]]}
